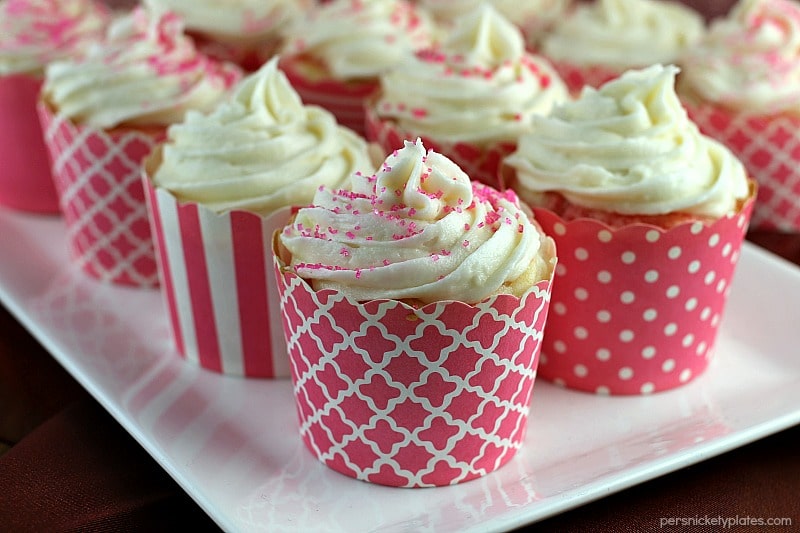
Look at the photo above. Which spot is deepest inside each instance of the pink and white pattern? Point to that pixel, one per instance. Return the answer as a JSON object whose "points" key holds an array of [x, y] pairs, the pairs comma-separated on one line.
{"points": [[412, 397], [97, 177], [769, 148], [636, 310], [220, 292], [578, 76]]}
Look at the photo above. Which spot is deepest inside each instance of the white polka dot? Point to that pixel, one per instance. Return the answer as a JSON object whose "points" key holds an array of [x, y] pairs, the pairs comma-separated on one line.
{"points": [[735, 256], [687, 340], [581, 333], [652, 235], [560, 309], [604, 276], [696, 228], [649, 352], [691, 304], [580, 370], [581, 254], [581, 294], [627, 297], [603, 354], [626, 335], [543, 360], [560, 346], [715, 320], [694, 266], [674, 252], [721, 285], [686, 374], [559, 228], [668, 365], [604, 235], [651, 276], [670, 329], [709, 279], [602, 391], [726, 250], [625, 373], [713, 240], [647, 388], [559, 382], [705, 313], [649, 315], [673, 291], [561, 270], [740, 221], [628, 257], [603, 316], [701, 348]]}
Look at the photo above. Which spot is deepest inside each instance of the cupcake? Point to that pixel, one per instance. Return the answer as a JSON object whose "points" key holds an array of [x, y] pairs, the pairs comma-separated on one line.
{"points": [[469, 100], [33, 33], [336, 54], [218, 187], [648, 215], [741, 85], [247, 32], [598, 41], [101, 115], [413, 303]]}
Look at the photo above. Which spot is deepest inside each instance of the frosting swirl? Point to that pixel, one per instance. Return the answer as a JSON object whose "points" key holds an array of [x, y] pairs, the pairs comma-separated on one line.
{"points": [[480, 87], [360, 38], [36, 32], [259, 150], [629, 148], [750, 60], [417, 229], [145, 73], [624, 33]]}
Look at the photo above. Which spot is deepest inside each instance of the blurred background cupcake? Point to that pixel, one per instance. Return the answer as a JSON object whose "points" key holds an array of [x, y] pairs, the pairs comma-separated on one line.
{"points": [[648, 216], [218, 187], [33, 33], [413, 301], [741, 84], [246, 32], [335, 55], [599, 40], [101, 115]]}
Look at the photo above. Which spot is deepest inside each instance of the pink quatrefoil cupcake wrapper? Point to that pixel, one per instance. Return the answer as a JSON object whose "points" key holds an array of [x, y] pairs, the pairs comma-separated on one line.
{"points": [[769, 147], [97, 178], [578, 76], [218, 285], [636, 310], [412, 397]]}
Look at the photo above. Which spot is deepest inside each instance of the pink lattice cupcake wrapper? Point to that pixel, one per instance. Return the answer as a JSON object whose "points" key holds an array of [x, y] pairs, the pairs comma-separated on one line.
{"points": [[578, 76], [480, 163], [769, 148], [97, 175], [345, 99], [218, 285], [636, 310], [26, 182], [412, 397]]}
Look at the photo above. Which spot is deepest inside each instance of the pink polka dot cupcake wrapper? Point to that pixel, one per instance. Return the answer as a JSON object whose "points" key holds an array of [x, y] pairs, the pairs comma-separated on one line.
{"points": [[26, 183], [218, 285], [577, 76], [411, 397], [97, 178], [636, 310], [479, 163], [769, 148]]}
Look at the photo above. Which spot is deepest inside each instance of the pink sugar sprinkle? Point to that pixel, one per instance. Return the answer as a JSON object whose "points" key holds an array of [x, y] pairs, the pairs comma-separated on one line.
{"points": [[465, 244], [545, 81], [412, 212], [350, 235], [332, 231], [386, 262], [345, 252], [358, 273], [520, 228], [435, 257], [466, 227], [419, 112]]}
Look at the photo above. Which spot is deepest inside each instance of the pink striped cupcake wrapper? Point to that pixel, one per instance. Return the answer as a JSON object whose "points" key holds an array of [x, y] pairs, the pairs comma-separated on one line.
{"points": [[411, 397], [769, 148], [26, 183], [97, 178], [218, 285], [636, 310]]}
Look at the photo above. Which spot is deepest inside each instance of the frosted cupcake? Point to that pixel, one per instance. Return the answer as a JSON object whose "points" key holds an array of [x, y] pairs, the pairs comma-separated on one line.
{"points": [[33, 33], [247, 32], [335, 55], [218, 187], [648, 216], [101, 115], [598, 41], [413, 303], [741, 84], [471, 99]]}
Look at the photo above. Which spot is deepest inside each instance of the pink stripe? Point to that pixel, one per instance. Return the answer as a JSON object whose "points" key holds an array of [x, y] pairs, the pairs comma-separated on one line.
{"points": [[251, 289], [166, 273], [199, 287]]}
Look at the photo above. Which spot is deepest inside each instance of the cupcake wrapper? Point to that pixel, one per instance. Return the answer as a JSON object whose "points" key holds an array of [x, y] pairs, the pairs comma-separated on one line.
{"points": [[578, 76], [480, 164], [409, 397], [769, 148], [26, 182], [97, 177], [344, 100], [636, 310], [218, 284]]}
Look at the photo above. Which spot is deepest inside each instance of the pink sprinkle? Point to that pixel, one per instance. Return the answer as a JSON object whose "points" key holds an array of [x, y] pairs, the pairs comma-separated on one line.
{"points": [[520, 228], [386, 262], [350, 235], [345, 252], [465, 244], [466, 226], [419, 112]]}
